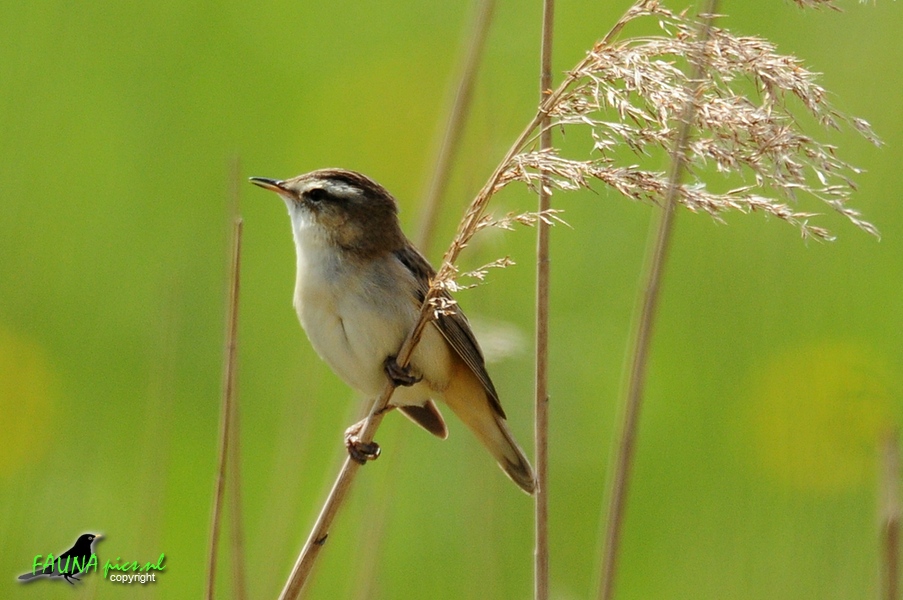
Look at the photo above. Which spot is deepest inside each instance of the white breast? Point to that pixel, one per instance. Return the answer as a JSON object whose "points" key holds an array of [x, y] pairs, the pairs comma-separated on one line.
{"points": [[356, 316]]}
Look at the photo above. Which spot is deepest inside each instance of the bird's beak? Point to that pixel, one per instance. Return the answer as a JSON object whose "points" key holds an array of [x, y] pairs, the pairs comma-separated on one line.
{"points": [[98, 536], [274, 185]]}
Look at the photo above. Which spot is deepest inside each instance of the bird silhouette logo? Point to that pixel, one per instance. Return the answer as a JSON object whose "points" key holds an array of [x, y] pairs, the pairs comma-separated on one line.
{"points": [[76, 560]]}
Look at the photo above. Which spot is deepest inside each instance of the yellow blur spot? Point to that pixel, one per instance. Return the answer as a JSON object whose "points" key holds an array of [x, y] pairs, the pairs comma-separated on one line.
{"points": [[818, 415], [27, 390]]}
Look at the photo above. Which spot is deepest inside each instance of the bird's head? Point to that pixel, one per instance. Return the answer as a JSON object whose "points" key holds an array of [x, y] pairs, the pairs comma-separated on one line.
{"points": [[88, 538], [344, 208]]}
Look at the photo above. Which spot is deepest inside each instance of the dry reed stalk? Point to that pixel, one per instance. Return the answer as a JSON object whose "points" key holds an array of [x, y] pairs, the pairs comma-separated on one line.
{"points": [[638, 80], [436, 300], [366, 579], [237, 530], [632, 93], [236, 522], [228, 401], [541, 398]]}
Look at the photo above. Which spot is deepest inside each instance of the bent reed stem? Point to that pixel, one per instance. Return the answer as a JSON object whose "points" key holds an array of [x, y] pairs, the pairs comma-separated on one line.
{"points": [[467, 227]]}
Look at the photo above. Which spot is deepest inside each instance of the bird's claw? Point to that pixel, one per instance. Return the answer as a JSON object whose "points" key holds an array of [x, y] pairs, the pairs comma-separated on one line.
{"points": [[359, 450], [398, 375]]}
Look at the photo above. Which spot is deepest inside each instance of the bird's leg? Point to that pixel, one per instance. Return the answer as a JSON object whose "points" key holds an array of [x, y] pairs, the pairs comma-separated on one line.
{"points": [[360, 451], [69, 577], [385, 409], [400, 376]]}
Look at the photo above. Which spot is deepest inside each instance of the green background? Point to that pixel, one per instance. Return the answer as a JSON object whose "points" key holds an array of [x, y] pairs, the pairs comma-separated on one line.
{"points": [[776, 368]]}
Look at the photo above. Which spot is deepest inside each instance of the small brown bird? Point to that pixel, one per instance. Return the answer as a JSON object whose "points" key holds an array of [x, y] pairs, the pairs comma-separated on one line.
{"points": [[360, 283]]}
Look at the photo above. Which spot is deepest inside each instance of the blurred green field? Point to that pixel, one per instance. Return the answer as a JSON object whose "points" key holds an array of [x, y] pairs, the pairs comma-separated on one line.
{"points": [[776, 369]]}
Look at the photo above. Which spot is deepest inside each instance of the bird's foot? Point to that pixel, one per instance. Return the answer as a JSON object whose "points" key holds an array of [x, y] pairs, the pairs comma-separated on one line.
{"points": [[400, 376], [359, 450], [69, 577]]}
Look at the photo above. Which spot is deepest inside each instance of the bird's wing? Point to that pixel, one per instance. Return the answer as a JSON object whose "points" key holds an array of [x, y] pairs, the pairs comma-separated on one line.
{"points": [[454, 327]]}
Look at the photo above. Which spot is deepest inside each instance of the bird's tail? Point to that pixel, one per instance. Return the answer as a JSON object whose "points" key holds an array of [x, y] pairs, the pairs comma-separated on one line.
{"points": [[467, 398]]}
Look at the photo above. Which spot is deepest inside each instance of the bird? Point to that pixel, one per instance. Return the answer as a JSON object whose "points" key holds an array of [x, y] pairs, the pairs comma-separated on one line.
{"points": [[69, 563], [358, 292]]}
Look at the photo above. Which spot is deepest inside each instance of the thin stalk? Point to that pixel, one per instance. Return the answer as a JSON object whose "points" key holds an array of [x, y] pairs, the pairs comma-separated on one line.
{"points": [[377, 520], [454, 127], [623, 466], [236, 522], [339, 491], [239, 579], [466, 229], [541, 400], [228, 401], [890, 513]]}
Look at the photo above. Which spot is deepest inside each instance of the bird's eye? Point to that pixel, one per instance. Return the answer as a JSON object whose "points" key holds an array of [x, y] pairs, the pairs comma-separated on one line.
{"points": [[317, 195]]}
